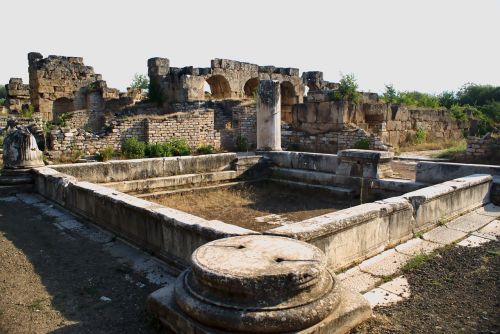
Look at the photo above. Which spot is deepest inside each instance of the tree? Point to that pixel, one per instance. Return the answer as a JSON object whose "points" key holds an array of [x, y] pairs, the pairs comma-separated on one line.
{"points": [[390, 94], [348, 89], [447, 99], [140, 81], [3, 92]]}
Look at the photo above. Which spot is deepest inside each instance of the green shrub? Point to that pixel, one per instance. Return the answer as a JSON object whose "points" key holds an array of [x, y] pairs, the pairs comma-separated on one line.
{"points": [[362, 144], [418, 99], [420, 136], [157, 150], [348, 89], [205, 149], [28, 112], [105, 154], [242, 144], [62, 119], [178, 146], [140, 81], [2, 137], [132, 148]]}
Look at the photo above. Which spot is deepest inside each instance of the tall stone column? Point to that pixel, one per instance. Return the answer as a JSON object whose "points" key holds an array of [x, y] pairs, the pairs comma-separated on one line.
{"points": [[269, 116]]}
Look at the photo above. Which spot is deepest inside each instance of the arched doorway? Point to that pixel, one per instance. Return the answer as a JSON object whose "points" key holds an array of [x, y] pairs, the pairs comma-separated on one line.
{"points": [[61, 106], [288, 99], [250, 88], [219, 87]]}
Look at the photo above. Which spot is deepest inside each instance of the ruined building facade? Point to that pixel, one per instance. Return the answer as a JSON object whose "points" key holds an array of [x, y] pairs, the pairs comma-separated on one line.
{"points": [[212, 105]]}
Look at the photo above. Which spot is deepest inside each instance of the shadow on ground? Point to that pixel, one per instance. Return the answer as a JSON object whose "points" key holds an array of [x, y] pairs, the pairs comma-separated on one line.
{"points": [[53, 282]]}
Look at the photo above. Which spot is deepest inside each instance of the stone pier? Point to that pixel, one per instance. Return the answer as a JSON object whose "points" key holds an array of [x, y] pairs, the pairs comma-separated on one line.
{"points": [[269, 116], [258, 284], [365, 163]]}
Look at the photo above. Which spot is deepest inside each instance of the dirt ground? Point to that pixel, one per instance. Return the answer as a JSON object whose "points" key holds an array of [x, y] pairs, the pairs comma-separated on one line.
{"points": [[404, 170], [455, 292], [274, 204], [52, 282]]}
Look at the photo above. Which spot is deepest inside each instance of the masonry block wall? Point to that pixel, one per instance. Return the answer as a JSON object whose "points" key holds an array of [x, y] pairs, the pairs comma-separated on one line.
{"points": [[487, 146], [196, 127], [18, 95]]}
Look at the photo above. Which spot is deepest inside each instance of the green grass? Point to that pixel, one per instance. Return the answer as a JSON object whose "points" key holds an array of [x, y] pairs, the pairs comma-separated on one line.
{"points": [[456, 150], [416, 262]]}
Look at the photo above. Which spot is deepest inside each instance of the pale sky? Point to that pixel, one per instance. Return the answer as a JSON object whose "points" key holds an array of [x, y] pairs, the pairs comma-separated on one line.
{"points": [[426, 45]]}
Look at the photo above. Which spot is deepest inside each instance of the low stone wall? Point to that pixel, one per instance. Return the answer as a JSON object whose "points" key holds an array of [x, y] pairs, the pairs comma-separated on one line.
{"points": [[167, 233], [329, 142], [302, 160], [487, 147], [137, 169], [436, 172], [353, 234]]}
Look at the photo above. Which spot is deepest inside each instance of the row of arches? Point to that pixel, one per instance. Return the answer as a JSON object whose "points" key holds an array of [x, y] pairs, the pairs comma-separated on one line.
{"points": [[217, 87]]}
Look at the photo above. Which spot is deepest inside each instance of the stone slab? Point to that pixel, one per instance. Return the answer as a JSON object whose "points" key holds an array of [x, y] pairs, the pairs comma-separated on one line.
{"points": [[473, 241], [490, 231], [358, 281], [489, 210], [352, 310], [384, 264], [398, 286], [381, 297], [444, 235], [417, 246], [470, 222]]}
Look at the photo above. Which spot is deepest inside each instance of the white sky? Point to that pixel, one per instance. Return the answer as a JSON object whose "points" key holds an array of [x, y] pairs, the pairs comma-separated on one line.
{"points": [[426, 45]]}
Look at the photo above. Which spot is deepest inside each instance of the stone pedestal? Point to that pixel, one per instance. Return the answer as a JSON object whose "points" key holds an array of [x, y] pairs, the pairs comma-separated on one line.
{"points": [[365, 163], [258, 284], [268, 116], [20, 153]]}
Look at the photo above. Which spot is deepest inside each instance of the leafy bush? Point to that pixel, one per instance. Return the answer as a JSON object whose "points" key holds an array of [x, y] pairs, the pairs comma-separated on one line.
{"points": [[242, 144], [132, 148], [478, 95], [418, 99], [28, 112], [158, 150], [178, 146], [205, 149], [348, 89], [106, 154], [420, 136], [362, 144], [140, 81], [2, 137], [447, 99], [62, 119]]}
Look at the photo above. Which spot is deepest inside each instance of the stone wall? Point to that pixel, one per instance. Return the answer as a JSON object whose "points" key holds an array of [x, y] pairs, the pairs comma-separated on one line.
{"points": [[196, 127], [484, 148], [18, 95], [227, 79], [328, 142]]}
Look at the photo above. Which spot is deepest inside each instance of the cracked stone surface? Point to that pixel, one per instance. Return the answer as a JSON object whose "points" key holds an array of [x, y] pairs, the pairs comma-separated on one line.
{"points": [[357, 280], [381, 297], [384, 264], [417, 246], [398, 286], [470, 222], [490, 210], [473, 241], [444, 235]]}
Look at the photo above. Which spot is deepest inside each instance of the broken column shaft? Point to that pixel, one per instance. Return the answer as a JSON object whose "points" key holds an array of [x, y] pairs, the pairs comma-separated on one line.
{"points": [[269, 116]]}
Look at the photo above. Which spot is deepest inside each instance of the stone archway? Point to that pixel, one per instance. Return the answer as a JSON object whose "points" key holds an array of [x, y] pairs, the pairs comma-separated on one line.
{"points": [[219, 87], [288, 99], [250, 88]]}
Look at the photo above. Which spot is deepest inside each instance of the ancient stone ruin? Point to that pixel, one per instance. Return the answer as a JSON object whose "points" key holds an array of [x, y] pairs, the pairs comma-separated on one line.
{"points": [[215, 105], [275, 275]]}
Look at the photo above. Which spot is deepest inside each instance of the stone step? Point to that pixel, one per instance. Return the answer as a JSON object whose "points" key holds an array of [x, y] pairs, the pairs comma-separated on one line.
{"points": [[177, 181], [302, 175], [338, 192], [159, 194], [13, 190]]}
